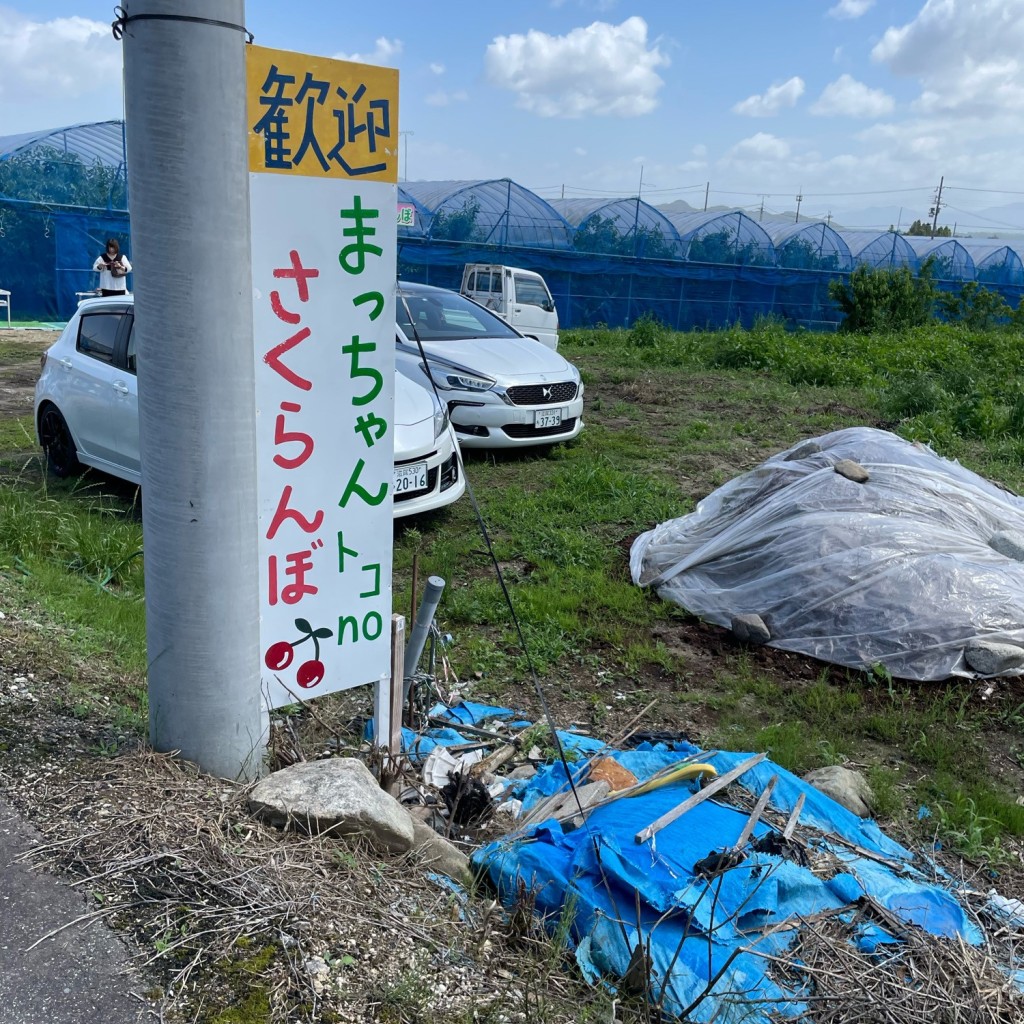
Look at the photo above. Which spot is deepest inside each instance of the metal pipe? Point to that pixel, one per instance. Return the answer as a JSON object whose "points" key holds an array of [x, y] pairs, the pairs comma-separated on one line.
{"points": [[421, 628]]}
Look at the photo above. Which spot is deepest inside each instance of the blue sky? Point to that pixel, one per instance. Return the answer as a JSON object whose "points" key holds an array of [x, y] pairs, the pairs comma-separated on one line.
{"points": [[859, 106]]}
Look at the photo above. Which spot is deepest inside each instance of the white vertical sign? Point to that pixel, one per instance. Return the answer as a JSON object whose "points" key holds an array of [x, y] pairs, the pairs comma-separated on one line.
{"points": [[323, 173]]}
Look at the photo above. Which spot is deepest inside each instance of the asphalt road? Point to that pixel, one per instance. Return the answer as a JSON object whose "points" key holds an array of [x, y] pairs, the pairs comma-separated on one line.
{"points": [[81, 975]]}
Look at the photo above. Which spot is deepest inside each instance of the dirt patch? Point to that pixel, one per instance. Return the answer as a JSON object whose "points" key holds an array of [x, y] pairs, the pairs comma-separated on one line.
{"points": [[19, 368]]}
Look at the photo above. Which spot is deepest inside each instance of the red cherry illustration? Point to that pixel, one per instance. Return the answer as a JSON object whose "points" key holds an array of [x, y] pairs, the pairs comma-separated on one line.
{"points": [[279, 656], [310, 673]]}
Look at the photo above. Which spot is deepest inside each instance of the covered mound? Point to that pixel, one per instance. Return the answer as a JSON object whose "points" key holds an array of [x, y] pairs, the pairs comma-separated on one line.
{"points": [[917, 569]]}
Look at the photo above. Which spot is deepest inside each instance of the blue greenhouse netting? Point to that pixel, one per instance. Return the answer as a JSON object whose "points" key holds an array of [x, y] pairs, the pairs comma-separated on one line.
{"points": [[995, 263], [729, 237], [950, 260], [880, 249], [810, 245], [591, 290], [607, 261], [621, 227], [63, 193]]}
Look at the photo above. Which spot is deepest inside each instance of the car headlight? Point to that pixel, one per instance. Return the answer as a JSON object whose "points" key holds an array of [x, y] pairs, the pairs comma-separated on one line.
{"points": [[440, 421], [449, 379]]}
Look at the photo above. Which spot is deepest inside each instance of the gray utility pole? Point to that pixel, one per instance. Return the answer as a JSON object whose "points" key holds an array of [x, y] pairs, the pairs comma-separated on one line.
{"points": [[799, 200], [189, 187], [934, 211], [707, 192]]}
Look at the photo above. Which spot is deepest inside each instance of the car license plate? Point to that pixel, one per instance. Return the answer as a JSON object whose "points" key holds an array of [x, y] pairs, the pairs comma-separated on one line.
{"points": [[410, 478], [543, 418]]}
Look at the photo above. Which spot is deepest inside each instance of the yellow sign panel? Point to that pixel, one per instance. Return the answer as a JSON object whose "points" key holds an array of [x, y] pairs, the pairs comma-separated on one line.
{"points": [[321, 118]]}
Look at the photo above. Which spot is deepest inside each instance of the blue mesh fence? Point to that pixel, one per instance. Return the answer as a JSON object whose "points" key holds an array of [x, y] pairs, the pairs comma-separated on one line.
{"points": [[46, 256]]}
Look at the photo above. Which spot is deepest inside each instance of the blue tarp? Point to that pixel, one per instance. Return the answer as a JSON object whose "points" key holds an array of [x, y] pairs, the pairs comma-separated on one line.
{"points": [[708, 937]]}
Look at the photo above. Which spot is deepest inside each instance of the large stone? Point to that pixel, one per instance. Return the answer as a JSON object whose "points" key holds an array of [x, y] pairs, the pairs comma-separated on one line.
{"points": [[852, 471], [845, 786], [339, 796], [1009, 543], [750, 629], [437, 854], [989, 658]]}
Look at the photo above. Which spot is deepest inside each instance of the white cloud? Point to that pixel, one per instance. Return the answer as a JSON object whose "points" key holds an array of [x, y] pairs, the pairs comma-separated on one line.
{"points": [[846, 97], [851, 8], [600, 69], [773, 99], [438, 69], [580, 151], [385, 52], [66, 58], [966, 55], [762, 146], [446, 99]]}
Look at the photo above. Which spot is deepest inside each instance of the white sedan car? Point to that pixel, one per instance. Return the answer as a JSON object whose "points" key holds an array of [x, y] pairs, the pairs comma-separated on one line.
{"points": [[87, 413], [502, 390]]}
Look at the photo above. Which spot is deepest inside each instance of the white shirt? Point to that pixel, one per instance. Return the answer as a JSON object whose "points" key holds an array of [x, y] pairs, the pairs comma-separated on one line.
{"points": [[107, 280]]}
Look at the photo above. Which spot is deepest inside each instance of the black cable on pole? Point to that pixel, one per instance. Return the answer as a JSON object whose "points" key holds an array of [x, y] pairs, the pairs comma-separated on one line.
{"points": [[123, 19]]}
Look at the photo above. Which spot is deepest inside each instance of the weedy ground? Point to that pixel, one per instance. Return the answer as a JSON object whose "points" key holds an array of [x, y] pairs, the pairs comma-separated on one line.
{"points": [[669, 418]]}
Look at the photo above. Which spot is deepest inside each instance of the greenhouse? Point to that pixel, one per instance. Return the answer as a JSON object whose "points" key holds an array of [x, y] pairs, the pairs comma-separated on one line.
{"points": [[950, 260], [620, 227], [995, 263], [880, 249], [63, 193], [732, 238], [811, 245], [607, 260], [498, 212]]}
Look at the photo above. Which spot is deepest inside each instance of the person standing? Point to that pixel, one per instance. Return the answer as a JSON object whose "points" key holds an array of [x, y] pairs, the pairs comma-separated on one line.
{"points": [[114, 267]]}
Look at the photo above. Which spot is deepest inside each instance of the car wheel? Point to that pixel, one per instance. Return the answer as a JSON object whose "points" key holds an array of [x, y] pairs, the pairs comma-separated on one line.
{"points": [[58, 444]]}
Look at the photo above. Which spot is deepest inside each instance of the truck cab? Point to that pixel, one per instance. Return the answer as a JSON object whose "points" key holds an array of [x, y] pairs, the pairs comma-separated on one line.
{"points": [[520, 297]]}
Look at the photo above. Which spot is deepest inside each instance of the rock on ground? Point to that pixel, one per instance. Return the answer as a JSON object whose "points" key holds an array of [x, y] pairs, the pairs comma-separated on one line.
{"points": [[989, 658], [437, 854], [845, 786], [852, 471], [338, 795], [1009, 543], [750, 629]]}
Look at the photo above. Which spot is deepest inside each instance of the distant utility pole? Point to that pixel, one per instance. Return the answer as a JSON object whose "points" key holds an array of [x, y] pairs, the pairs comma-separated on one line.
{"points": [[934, 211], [405, 176], [188, 177], [760, 215], [828, 219], [799, 200], [707, 189]]}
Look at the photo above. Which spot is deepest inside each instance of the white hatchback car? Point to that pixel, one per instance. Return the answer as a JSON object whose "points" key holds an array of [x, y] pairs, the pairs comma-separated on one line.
{"points": [[87, 412], [502, 390]]}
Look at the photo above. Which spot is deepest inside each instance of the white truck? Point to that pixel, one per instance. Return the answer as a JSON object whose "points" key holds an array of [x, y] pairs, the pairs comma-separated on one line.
{"points": [[520, 297]]}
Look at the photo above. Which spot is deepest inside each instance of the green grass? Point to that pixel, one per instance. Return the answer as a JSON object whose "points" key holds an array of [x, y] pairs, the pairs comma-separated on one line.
{"points": [[669, 416]]}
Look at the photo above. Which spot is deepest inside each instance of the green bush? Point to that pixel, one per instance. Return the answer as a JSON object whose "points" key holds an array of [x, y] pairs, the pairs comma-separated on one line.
{"points": [[889, 299], [975, 307]]}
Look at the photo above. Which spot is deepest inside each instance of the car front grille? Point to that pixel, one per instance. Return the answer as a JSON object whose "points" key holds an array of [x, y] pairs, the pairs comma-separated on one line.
{"points": [[431, 484], [543, 394], [521, 430]]}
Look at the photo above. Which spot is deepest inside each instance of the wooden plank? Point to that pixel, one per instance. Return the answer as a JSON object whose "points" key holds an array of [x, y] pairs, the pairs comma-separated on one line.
{"points": [[787, 832], [698, 798], [755, 814]]}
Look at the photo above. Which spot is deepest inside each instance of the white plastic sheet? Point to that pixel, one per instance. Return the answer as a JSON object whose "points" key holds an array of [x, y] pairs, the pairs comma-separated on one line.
{"points": [[897, 572]]}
